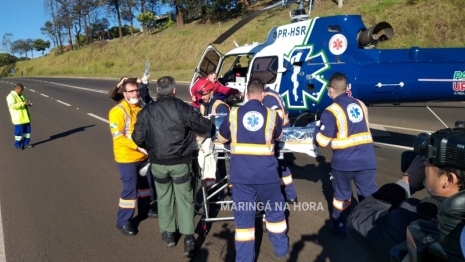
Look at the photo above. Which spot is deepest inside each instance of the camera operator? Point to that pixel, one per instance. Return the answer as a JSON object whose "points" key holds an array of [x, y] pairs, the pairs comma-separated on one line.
{"points": [[380, 221]]}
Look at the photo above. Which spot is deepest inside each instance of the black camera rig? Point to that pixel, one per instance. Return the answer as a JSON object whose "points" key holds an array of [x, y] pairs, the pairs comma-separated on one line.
{"points": [[437, 240]]}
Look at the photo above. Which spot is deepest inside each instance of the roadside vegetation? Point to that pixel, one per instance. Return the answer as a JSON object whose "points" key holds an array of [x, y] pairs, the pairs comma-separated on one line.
{"points": [[176, 50]]}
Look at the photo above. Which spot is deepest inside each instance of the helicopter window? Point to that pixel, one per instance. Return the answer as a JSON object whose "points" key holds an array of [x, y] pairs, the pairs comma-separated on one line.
{"points": [[234, 66], [209, 63], [310, 87], [266, 68], [334, 29]]}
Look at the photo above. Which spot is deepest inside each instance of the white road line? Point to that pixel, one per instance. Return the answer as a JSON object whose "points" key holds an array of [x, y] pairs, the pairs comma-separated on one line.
{"points": [[44, 95], [99, 118], [82, 88], [2, 240], [31, 90], [403, 128], [378, 130], [392, 145], [66, 104]]}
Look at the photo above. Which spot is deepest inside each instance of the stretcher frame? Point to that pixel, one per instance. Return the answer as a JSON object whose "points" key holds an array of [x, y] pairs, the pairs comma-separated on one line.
{"points": [[221, 185]]}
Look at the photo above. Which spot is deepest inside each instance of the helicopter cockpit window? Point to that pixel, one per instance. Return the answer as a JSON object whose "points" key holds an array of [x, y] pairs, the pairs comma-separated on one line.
{"points": [[233, 67], [266, 68], [334, 29], [209, 63]]}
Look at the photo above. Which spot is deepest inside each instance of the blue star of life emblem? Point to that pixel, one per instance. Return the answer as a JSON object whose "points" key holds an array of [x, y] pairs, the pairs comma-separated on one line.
{"points": [[252, 120], [355, 112]]}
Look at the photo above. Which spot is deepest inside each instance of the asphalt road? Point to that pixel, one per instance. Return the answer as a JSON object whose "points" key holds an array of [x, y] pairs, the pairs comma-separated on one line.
{"points": [[59, 199]]}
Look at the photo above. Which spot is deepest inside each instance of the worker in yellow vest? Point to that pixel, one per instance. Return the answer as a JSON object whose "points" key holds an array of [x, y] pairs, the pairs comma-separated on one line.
{"points": [[18, 106], [130, 159]]}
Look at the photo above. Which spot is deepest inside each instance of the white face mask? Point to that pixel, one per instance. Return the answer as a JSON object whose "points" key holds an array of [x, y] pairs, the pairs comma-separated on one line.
{"points": [[133, 101]]}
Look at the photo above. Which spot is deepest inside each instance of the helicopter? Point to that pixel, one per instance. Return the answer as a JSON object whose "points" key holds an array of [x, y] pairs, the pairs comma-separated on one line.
{"points": [[296, 60]]}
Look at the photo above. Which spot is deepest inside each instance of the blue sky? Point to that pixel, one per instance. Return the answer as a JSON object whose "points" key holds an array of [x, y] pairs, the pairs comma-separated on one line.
{"points": [[24, 18]]}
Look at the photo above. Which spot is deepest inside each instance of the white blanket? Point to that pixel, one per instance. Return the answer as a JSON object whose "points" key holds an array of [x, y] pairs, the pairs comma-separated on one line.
{"points": [[207, 159]]}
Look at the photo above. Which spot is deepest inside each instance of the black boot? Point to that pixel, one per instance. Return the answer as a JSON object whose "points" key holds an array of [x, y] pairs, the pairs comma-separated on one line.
{"points": [[168, 238], [189, 246]]}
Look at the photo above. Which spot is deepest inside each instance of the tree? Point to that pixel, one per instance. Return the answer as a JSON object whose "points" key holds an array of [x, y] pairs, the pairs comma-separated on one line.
{"points": [[40, 45], [146, 19], [49, 31], [6, 42], [19, 47], [127, 12], [6, 59], [114, 6]]}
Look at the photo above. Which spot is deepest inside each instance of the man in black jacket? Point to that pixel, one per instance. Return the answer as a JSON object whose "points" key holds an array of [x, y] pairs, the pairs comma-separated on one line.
{"points": [[380, 221], [166, 128]]}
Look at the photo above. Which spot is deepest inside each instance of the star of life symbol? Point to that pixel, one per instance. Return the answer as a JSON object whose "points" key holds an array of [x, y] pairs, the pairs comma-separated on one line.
{"points": [[252, 121], [354, 111], [338, 44]]}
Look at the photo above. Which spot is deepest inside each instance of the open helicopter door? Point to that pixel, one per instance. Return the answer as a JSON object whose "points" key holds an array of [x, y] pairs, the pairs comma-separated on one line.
{"points": [[209, 61]]}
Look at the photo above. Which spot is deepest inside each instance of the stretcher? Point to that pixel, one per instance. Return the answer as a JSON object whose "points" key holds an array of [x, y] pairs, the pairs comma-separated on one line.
{"points": [[213, 190]]}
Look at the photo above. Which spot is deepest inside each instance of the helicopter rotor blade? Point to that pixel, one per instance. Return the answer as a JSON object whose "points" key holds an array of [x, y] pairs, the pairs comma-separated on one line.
{"points": [[243, 22]]}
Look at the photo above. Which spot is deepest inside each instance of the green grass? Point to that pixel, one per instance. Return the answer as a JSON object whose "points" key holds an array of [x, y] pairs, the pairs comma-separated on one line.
{"points": [[176, 51]]}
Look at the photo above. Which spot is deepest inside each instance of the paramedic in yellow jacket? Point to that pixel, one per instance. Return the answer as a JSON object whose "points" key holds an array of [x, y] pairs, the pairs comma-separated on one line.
{"points": [[18, 106], [130, 159]]}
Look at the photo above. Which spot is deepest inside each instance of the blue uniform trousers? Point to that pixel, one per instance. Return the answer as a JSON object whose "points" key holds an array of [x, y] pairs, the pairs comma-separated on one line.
{"points": [[22, 135], [136, 188], [286, 180], [365, 184], [244, 209]]}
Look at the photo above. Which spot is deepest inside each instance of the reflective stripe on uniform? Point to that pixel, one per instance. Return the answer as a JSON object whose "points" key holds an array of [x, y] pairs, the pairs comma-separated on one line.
{"points": [[245, 234], [117, 133], [18, 138], [341, 205], [27, 135], [144, 192], [233, 125], [214, 107], [286, 180], [248, 148], [341, 120], [284, 117], [127, 124], [322, 139], [365, 112], [353, 140], [270, 123], [127, 203], [279, 227], [252, 149]]}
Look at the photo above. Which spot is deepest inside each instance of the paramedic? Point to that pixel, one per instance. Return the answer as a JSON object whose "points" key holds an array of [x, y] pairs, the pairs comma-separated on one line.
{"points": [[274, 101], [344, 125], [252, 130]]}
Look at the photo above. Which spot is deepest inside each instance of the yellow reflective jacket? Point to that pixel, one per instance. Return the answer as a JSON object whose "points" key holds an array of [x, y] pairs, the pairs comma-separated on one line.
{"points": [[18, 109], [122, 118]]}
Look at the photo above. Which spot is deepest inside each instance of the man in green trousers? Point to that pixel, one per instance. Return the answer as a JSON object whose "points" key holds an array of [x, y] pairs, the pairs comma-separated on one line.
{"points": [[166, 128]]}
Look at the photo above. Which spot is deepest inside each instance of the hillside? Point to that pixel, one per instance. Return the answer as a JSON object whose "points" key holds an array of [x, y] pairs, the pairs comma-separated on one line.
{"points": [[176, 51]]}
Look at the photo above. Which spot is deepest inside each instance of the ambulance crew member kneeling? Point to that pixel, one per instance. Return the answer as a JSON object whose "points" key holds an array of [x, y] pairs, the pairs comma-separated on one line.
{"points": [[345, 125], [252, 130]]}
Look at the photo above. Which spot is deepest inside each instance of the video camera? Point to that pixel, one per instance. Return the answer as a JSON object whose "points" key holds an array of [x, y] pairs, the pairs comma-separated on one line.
{"points": [[437, 240]]}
